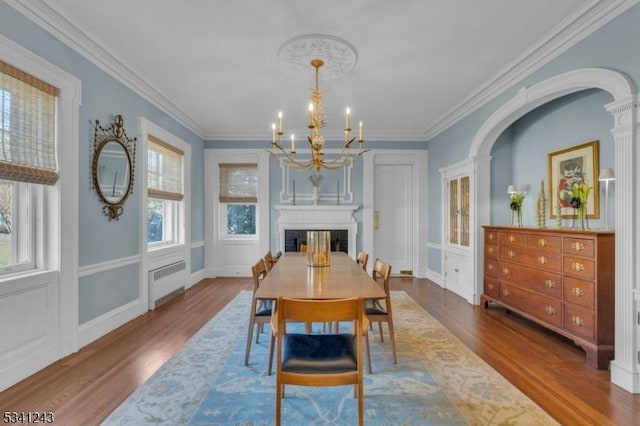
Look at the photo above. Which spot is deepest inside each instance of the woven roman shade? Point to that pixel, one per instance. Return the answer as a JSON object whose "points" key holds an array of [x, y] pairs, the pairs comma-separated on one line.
{"points": [[238, 183], [27, 127], [164, 170]]}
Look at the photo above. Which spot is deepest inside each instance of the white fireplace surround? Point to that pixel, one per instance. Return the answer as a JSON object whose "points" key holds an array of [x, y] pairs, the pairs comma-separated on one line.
{"points": [[324, 217]]}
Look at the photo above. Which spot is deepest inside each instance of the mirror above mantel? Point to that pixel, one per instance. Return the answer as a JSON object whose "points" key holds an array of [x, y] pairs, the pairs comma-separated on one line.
{"points": [[335, 187]]}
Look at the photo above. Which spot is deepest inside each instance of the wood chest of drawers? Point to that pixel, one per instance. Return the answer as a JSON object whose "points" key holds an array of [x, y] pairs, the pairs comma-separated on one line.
{"points": [[562, 279]]}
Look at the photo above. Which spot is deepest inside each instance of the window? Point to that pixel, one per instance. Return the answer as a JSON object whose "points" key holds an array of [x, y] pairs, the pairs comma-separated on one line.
{"points": [[28, 110], [165, 192], [238, 198]]}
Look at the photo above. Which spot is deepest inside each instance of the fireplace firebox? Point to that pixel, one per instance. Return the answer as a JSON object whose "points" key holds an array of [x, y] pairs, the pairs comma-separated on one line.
{"points": [[293, 238]]}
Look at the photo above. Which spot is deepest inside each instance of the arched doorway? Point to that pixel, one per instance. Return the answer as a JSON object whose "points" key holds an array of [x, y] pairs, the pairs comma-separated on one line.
{"points": [[624, 109]]}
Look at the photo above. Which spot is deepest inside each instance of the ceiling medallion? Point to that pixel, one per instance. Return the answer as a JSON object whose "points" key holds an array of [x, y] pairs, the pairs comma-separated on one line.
{"points": [[337, 55]]}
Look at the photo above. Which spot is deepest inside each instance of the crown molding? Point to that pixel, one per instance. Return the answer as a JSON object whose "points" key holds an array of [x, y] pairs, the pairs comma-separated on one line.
{"points": [[587, 19], [61, 28], [329, 136], [593, 15]]}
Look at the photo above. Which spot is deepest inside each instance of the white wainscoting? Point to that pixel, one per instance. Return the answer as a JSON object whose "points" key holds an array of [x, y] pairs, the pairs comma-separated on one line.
{"points": [[30, 318], [109, 321]]}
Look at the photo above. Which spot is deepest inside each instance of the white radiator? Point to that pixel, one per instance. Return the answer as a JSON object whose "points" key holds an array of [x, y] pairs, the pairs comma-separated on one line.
{"points": [[166, 282]]}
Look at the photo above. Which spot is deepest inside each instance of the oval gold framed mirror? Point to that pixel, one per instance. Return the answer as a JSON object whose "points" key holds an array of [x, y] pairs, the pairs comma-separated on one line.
{"points": [[113, 166]]}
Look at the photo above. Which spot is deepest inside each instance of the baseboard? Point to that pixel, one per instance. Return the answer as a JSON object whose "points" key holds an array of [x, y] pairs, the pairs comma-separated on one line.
{"points": [[196, 277], [627, 380], [98, 327], [435, 277]]}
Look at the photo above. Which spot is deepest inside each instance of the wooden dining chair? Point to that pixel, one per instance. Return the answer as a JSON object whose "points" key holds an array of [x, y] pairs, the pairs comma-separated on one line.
{"points": [[379, 310], [260, 313], [362, 259], [319, 359], [303, 248], [269, 260]]}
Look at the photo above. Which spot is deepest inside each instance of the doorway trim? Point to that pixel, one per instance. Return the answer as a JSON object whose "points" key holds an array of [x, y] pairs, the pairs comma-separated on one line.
{"points": [[418, 160], [624, 109]]}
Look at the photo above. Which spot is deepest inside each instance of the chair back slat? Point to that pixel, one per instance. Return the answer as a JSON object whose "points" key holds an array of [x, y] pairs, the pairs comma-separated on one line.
{"points": [[320, 310], [258, 272]]}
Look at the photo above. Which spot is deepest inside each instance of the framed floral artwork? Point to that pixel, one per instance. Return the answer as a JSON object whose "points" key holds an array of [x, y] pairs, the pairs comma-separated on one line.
{"points": [[567, 168]]}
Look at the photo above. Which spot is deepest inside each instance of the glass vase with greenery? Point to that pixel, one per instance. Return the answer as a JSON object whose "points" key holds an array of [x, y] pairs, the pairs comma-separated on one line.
{"points": [[517, 198], [579, 196]]}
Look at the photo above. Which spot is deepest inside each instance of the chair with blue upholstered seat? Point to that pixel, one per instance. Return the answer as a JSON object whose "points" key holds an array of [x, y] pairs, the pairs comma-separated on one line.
{"points": [[260, 312], [379, 310], [319, 359]]}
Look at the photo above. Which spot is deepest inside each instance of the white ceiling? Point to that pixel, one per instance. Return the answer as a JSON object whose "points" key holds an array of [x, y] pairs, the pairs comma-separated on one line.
{"points": [[213, 65]]}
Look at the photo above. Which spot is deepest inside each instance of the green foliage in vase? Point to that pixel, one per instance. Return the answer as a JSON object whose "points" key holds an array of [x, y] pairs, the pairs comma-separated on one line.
{"points": [[516, 200]]}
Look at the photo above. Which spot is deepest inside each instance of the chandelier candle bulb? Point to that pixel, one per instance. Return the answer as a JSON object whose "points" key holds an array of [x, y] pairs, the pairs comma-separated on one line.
{"points": [[360, 132], [348, 121], [293, 144], [310, 115], [280, 122], [273, 133]]}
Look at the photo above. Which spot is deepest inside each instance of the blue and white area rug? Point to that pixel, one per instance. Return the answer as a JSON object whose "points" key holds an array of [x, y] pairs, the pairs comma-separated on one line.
{"points": [[437, 381]]}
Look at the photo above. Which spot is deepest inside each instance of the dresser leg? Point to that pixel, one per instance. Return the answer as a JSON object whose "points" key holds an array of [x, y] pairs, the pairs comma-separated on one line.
{"points": [[599, 358], [484, 302]]}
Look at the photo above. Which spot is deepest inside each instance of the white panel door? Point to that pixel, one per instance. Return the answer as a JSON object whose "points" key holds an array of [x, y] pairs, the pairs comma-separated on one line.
{"points": [[393, 216]]}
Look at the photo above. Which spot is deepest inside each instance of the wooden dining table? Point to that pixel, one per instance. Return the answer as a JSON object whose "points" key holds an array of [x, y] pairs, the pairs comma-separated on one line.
{"points": [[291, 277]]}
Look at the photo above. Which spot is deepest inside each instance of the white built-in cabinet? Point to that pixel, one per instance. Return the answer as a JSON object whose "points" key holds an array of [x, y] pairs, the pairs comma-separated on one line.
{"points": [[457, 259]]}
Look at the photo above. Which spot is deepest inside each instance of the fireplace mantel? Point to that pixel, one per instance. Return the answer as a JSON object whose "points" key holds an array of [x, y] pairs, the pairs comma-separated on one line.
{"points": [[325, 217]]}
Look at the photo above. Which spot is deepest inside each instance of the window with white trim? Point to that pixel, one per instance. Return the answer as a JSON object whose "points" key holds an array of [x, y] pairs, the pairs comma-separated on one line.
{"points": [[28, 128], [238, 198], [164, 193]]}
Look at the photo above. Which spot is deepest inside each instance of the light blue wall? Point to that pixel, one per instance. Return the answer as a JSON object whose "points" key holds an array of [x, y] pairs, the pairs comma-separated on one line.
{"points": [[568, 121], [197, 259], [105, 291], [613, 46], [102, 98]]}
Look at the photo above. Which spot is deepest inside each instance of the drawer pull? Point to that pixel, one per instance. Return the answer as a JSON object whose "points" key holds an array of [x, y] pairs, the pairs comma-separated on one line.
{"points": [[549, 283], [491, 236], [490, 250], [577, 246], [511, 254], [490, 266], [577, 266], [543, 260], [542, 242], [490, 286], [505, 292], [512, 238], [549, 310], [505, 271], [577, 320], [577, 291]]}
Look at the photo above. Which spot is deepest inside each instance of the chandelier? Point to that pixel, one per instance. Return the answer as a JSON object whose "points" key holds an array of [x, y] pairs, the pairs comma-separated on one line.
{"points": [[315, 139]]}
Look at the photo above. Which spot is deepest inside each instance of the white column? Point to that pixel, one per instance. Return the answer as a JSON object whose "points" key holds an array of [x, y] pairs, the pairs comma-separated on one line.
{"points": [[625, 368]]}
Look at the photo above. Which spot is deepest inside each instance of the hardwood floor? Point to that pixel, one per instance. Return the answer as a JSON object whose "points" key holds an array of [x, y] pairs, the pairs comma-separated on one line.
{"points": [[83, 388]]}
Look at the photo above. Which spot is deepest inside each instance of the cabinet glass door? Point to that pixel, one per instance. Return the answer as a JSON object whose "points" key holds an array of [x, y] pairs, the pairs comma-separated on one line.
{"points": [[459, 211]]}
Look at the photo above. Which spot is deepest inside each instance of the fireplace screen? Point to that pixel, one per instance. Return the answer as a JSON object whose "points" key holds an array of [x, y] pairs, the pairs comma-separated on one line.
{"points": [[293, 238]]}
